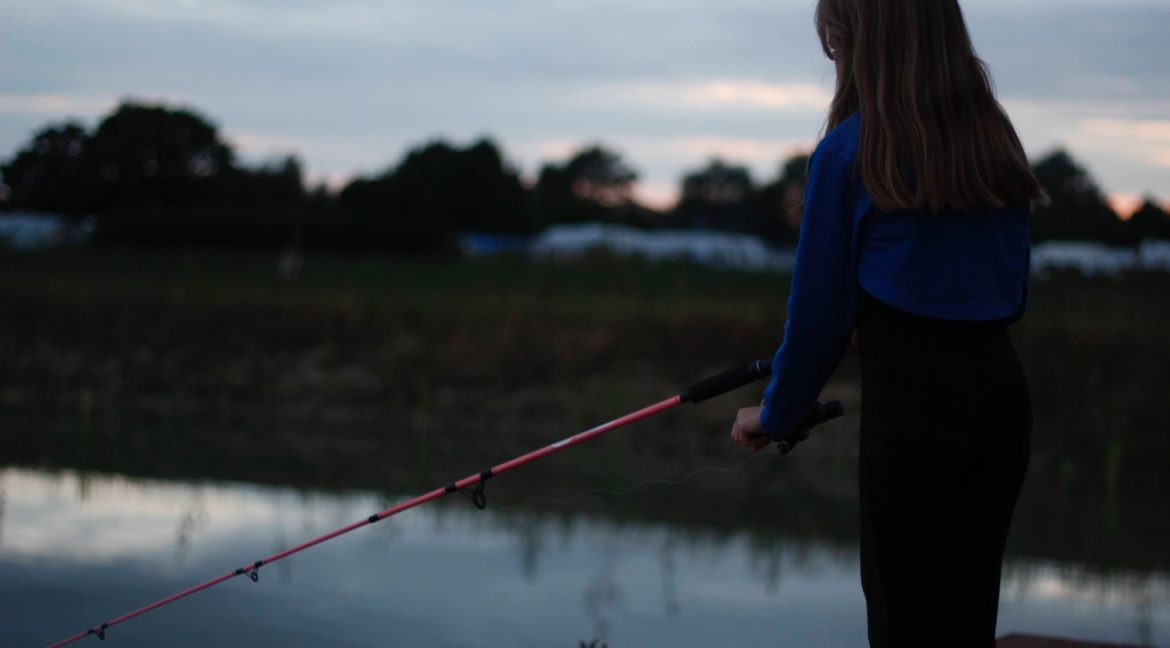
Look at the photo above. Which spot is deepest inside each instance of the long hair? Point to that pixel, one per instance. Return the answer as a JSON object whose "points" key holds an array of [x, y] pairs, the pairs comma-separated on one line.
{"points": [[933, 136]]}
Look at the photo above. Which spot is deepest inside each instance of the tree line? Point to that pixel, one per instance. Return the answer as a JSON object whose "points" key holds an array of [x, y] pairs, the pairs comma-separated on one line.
{"points": [[158, 175]]}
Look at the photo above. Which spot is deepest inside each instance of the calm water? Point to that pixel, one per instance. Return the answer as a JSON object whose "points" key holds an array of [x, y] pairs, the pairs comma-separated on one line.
{"points": [[76, 548]]}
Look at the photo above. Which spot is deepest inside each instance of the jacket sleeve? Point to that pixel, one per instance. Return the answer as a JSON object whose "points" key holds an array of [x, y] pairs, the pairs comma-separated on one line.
{"points": [[822, 303]]}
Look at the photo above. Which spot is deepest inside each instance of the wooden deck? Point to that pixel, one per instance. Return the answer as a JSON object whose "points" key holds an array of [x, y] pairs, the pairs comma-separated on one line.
{"points": [[1034, 641]]}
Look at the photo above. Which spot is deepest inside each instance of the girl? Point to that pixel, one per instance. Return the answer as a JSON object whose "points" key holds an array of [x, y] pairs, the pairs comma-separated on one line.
{"points": [[915, 242]]}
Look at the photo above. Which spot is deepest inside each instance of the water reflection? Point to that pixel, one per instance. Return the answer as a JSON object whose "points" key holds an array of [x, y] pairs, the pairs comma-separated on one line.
{"points": [[3, 503], [531, 538], [194, 519], [81, 548], [670, 595], [603, 594]]}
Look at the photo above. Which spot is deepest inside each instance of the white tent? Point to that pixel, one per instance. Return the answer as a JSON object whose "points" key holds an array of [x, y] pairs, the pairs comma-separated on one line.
{"points": [[716, 249]]}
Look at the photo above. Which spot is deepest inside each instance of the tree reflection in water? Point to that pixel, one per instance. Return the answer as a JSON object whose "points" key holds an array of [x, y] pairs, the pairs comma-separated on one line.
{"points": [[602, 593], [194, 519]]}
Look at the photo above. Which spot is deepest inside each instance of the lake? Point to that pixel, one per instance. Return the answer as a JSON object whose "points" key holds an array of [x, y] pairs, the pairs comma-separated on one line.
{"points": [[80, 546]]}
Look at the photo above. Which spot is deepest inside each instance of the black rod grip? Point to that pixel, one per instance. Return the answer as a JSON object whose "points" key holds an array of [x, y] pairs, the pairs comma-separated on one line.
{"points": [[729, 380], [820, 413]]}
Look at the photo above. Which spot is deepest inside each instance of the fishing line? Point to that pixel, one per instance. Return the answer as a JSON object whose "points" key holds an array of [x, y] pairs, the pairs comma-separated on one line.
{"points": [[519, 507]]}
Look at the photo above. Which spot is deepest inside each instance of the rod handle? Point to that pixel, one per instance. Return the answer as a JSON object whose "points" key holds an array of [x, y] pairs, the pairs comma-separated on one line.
{"points": [[729, 380], [821, 412]]}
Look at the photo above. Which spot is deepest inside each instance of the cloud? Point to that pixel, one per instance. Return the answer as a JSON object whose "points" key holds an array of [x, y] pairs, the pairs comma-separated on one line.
{"points": [[364, 17], [720, 94], [268, 144], [56, 104], [757, 94], [1128, 128], [735, 149], [351, 84], [547, 149], [1140, 139]]}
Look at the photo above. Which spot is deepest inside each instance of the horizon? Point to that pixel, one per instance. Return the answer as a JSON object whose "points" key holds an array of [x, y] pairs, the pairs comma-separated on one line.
{"points": [[668, 85]]}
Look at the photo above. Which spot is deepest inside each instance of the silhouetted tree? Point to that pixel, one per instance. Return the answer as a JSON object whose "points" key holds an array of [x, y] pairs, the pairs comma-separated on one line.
{"points": [[50, 173], [1148, 222], [153, 155], [594, 185], [1078, 210], [719, 196], [143, 158], [437, 190], [782, 201], [162, 175], [601, 175], [278, 183]]}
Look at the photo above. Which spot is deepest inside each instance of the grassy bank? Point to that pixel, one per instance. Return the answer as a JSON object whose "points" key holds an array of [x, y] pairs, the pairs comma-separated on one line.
{"points": [[103, 325], [599, 288]]}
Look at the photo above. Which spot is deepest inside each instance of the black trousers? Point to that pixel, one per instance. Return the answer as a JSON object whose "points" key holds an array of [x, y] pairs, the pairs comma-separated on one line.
{"points": [[946, 424]]}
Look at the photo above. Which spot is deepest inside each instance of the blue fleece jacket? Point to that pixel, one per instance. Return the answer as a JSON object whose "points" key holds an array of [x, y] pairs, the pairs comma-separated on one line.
{"points": [[968, 265]]}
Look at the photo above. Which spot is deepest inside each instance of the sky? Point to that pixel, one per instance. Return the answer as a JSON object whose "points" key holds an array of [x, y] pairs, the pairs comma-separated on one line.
{"points": [[350, 85]]}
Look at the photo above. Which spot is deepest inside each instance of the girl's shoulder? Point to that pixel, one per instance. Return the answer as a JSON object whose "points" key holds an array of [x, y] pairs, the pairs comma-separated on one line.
{"points": [[843, 140]]}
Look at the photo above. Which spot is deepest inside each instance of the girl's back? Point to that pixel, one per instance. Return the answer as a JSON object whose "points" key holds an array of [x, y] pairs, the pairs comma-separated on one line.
{"points": [[914, 242]]}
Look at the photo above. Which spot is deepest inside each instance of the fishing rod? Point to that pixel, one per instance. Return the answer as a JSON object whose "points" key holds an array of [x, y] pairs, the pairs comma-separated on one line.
{"points": [[472, 486]]}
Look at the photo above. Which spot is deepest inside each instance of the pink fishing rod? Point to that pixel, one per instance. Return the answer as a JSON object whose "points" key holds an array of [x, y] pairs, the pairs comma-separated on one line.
{"points": [[473, 485]]}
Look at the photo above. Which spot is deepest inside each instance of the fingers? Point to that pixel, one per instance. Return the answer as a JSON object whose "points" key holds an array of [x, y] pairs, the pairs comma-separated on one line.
{"points": [[757, 442], [747, 432]]}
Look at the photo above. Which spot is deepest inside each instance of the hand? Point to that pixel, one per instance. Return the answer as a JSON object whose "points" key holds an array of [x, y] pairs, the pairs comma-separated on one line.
{"points": [[747, 430]]}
